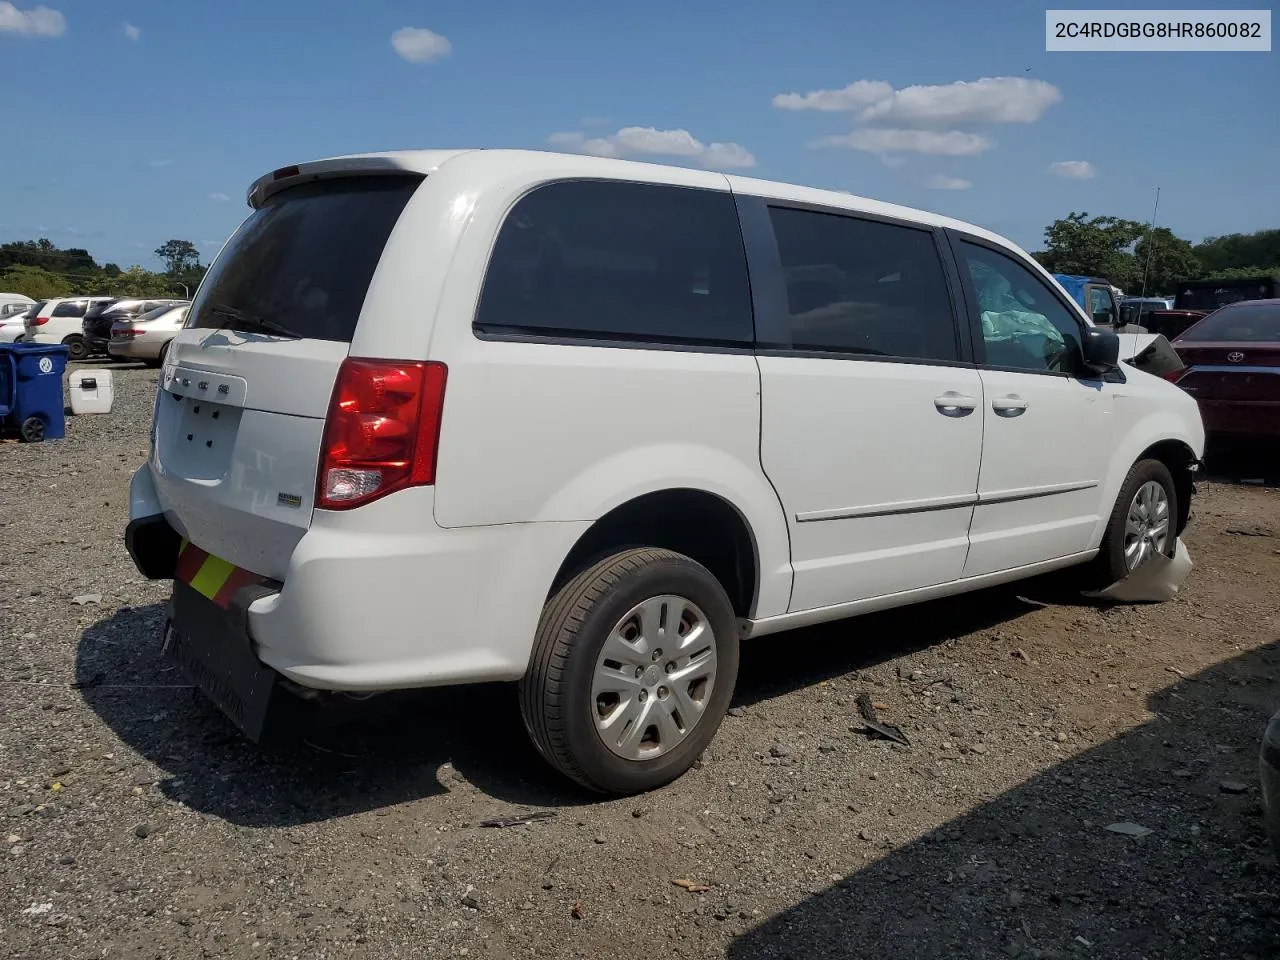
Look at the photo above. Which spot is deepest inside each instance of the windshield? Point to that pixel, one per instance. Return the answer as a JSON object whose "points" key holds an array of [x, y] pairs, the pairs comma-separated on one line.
{"points": [[303, 262], [1240, 323], [155, 314]]}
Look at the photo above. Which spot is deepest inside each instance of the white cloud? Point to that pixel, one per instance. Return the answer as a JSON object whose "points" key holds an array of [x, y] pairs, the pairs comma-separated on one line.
{"points": [[158, 164], [131, 32], [856, 96], [649, 141], [988, 100], [940, 181], [36, 22], [881, 141], [220, 197], [1073, 169], [418, 45]]}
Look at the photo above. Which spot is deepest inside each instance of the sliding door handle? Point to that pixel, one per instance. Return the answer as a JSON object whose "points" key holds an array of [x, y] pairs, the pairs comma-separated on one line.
{"points": [[952, 404], [1010, 406]]}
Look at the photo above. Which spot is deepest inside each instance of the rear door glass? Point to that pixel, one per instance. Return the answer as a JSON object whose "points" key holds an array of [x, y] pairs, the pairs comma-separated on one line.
{"points": [[586, 260], [303, 262]]}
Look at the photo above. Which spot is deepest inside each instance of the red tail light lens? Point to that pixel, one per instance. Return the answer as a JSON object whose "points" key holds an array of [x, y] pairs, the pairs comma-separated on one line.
{"points": [[382, 430], [41, 321], [1173, 376]]}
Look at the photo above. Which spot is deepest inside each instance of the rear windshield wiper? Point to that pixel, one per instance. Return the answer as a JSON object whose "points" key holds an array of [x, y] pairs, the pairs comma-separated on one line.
{"points": [[232, 315]]}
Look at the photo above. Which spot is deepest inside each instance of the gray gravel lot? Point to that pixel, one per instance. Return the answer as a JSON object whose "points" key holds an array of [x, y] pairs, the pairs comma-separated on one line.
{"points": [[136, 823]]}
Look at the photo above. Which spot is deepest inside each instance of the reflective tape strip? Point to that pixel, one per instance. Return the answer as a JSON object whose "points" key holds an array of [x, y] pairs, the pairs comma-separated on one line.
{"points": [[211, 577], [213, 574]]}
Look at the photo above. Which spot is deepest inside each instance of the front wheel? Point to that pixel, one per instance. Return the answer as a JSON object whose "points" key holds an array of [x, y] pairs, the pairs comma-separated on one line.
{"points": [[632, 670], [1143, 523]]}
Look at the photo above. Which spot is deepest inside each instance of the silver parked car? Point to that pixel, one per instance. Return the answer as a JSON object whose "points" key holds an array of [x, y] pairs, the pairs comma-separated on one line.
{"points": [[147, 337]]}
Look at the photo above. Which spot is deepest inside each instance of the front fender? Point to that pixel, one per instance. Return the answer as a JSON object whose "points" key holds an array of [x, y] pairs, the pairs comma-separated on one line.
{"points": [[1138, 431]]}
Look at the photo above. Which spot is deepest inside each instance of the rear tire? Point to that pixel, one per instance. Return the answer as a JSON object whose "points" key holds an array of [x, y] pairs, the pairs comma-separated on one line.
{"points": [[1112, 564], [158, 361], [77, 347], [668, 703]]}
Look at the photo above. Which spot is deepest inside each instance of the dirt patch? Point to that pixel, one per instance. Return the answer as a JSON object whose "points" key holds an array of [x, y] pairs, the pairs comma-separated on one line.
{"points": [[146, 827]]}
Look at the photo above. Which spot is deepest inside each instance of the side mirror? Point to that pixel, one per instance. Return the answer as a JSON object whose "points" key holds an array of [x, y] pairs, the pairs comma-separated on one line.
{"points": [[1100, 350]]}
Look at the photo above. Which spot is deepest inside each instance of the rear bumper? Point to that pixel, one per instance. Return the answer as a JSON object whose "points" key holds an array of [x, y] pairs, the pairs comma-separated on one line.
{"points": [[1241, 418], [380, 598]]}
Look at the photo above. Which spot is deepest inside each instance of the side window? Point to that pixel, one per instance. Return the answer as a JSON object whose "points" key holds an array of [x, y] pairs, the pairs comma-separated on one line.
{"points": [[1101, 307], [616, 260], [1024, 325], [70, 308], [864, 287]]}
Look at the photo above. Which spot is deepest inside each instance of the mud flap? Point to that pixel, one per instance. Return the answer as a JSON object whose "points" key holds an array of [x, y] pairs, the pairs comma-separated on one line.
{"points": [[213, 650], [1155, 581]]}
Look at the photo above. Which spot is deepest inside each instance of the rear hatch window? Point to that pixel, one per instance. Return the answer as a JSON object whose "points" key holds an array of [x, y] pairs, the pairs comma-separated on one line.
{"points": [[301, 265]]}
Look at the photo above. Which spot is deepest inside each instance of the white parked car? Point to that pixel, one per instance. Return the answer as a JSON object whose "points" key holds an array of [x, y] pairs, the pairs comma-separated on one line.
{"points": [[147, 337], [12, 304], [61, 320], [445, 417]]}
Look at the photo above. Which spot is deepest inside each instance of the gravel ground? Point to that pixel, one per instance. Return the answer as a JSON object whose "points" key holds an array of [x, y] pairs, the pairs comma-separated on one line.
{"points": [[138, 824]]}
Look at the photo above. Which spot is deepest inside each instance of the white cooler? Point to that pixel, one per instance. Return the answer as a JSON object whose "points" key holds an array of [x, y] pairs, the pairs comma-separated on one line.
{"points": [[91, 391]]}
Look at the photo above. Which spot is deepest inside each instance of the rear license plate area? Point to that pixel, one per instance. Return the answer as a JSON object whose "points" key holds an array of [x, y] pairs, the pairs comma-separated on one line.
{"points": [[202, 439], [214, 653]]}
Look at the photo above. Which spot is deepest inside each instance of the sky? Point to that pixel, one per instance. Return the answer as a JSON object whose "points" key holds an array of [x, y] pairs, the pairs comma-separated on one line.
{"points": [[129, 122]]}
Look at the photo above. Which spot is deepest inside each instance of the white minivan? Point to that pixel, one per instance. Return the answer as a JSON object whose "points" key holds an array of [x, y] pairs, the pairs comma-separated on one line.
{"points": [[444, 417]]}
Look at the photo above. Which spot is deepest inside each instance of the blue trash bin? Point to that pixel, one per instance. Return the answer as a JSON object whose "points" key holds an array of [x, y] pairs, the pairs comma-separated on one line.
{"points": [[34, 372]]}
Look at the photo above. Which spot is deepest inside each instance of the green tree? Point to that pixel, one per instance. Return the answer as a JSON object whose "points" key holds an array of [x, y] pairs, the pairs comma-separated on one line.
{"points": [[1252, 252], [137, 282], [1093, 246], [35, 282], [1164, 259], [180, 255]]}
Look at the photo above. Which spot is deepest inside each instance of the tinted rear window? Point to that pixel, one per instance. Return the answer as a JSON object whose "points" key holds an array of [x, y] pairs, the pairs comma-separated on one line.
{"points": [[1244, 323], [864, 287], [305, 259], [1219, 295], [69, 308], [620, 261]]}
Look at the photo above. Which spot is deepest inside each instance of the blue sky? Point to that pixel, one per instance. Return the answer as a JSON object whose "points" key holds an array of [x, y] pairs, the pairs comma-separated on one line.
{"points": [[132, 122]]}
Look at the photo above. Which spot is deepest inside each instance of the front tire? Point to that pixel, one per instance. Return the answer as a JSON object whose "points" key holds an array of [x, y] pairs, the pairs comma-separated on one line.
{"points": [[1143, 522], [632, 670]]}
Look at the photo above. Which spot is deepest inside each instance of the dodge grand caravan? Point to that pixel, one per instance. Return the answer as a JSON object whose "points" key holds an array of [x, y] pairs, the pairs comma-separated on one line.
{"points": [[454, 416]]}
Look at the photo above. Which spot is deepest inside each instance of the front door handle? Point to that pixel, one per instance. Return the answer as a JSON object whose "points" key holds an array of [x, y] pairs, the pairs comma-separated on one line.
{"points": [[952, 404], [1010, 406]]}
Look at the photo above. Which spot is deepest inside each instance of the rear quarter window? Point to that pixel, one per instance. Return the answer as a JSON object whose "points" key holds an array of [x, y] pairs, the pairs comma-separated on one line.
{"points": [[69, 308], [606, 260], [304, 261]]}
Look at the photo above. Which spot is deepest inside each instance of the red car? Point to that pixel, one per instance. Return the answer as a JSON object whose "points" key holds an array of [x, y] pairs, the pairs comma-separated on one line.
{"points": [[1232, 359]]}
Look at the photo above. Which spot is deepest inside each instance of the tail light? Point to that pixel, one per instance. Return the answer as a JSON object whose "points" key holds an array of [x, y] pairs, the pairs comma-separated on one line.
{"points": [[41, 321], [1173, 376], [382, 430]]}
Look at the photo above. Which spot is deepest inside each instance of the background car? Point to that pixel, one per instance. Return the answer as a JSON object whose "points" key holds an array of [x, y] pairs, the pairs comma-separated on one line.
{"points": [[60, 321], [14, 327], [12, 304], [147, 338], [1232, 359], [100, 317]]}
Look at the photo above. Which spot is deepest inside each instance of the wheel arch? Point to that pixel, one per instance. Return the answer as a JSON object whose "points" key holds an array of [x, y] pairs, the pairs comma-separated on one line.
{"points": [[702, 525], [1160, 436]]}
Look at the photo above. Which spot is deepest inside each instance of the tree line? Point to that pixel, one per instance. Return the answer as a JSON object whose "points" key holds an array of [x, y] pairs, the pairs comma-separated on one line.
{"points": [[1122, 251], [41, 270], [1134, 258]]}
